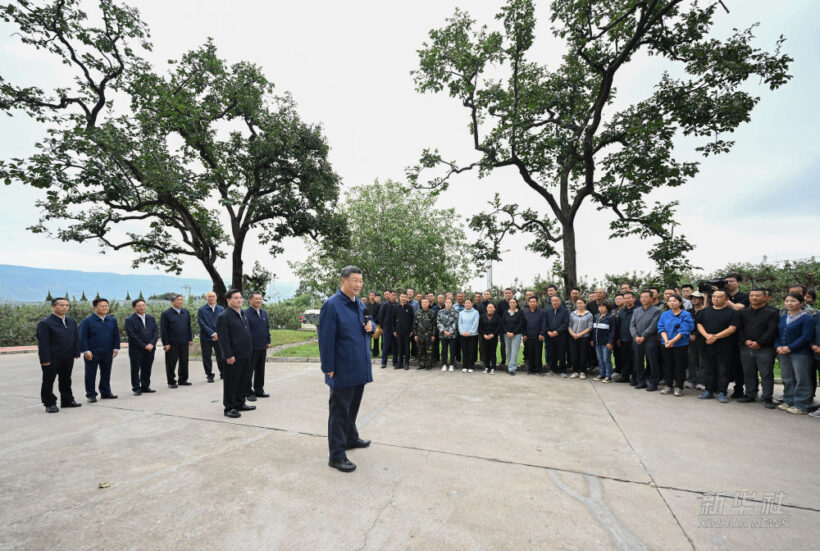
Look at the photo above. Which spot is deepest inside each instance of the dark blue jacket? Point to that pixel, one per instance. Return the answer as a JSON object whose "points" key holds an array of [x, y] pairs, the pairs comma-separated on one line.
{"points": [[139, 335], [344, 346], [603, 329], [207, 320], [535, 323], [56, 341], [387, 317], [98, 336], [176, 328], [622, 323], [260, 328], [557, 320], [234, 334], [798, 335]]}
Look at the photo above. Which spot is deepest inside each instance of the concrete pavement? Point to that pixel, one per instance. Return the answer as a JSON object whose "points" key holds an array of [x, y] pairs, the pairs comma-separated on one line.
{"points": [[458, 461]]}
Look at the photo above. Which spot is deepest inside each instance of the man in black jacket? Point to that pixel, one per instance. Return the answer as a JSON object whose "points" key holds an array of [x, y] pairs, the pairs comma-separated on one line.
{"points": [[235, 337], [175, 325], [375, 306], [557, 326], [58, 345], [624, 340], [387, 319], [503, 308], [142, 332], [757, 332], [403, 331]]}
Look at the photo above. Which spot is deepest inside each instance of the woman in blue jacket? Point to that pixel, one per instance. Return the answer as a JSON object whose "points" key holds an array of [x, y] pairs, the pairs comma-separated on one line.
{"points": [[674, 326], [795, 334], [468, 328], [603, 338]]}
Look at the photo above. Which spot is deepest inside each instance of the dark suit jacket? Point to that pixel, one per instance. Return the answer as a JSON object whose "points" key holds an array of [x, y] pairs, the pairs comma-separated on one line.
{"points": [[56, 341], [139, 335], [207, 320], [387, 317], [260, 328], [98, 336], [176, 328], [234, 334], [557, 320]]}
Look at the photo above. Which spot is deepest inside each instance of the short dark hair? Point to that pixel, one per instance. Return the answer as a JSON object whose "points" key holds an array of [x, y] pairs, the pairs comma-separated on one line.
{"points": [[508, 289], [98, 300], [647, 291], [761, 289], [575, 289], [685, 285], [669, 289], [231, 292], [135, 302], [678, 298], [532, 298], [812, 293], [619, 295], [733, 275], [629, 293], [797, 296], [606, 305], [802, 288], [551, 286], [348, 270], [256, 293], [724, 291], [653, 289], [54, 301]]}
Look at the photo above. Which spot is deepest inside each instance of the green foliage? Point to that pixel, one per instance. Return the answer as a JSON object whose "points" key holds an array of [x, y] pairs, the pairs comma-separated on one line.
{"points": [[258, 280], [49, 298], [127, 296], [285, 314], [397, 238], [129, 146], [84, 298], [562, 129]]}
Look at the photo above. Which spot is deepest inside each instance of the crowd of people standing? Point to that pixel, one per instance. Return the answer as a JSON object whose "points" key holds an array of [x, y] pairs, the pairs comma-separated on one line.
{"points": [[654, 339]]}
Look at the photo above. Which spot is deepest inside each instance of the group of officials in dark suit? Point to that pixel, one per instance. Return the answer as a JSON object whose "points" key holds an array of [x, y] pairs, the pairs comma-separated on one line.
{"points": [[240, 350]]}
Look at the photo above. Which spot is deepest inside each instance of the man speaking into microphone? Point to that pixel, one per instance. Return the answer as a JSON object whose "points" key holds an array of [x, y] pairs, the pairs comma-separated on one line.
{"points": [[344, 350]]}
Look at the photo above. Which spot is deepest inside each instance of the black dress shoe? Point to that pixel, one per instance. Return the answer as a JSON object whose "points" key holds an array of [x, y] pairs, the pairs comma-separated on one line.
{"points": [[621, 380], [148, 390], [172, 385], [109, 396], [52, 409], [251, 397], [737, 395], [640, 386], [92, 399], [262, 394], [745, 399], [345, 466], [359, 444], [211, 379], [232, 413], [72, 404], [245, 407], [185, 383], [137, 393]]}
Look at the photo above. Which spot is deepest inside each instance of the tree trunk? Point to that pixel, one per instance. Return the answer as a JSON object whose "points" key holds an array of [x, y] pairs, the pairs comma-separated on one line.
{"points": [[218, 283], [237, 265], [570, 260]]}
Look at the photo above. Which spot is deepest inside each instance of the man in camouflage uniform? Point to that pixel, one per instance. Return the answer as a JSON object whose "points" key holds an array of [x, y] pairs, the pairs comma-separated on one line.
{"points": [[424, 328]]}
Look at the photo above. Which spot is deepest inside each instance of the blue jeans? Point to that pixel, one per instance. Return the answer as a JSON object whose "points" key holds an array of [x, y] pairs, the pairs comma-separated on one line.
{"points": [[795, 369], [604, 360], [511, 346]]}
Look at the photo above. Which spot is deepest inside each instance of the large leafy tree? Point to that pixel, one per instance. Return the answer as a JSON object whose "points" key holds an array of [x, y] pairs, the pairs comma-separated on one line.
{"points": [[397, 239], [190, 164], [560, 130]]}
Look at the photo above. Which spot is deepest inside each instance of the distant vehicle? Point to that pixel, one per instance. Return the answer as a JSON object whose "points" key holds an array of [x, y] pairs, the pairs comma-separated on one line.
{"points": [[309, 320]]}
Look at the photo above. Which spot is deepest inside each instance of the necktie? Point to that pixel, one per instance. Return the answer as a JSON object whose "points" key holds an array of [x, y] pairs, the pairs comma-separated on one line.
{"points": [[64, 324]]}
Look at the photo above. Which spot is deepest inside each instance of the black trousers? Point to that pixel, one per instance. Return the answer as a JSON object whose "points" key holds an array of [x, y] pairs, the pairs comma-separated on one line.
{"points": [[556, 352], [414, 350], [59, 367], [376, 349], [388, 347], [533, 347], [468, 351], [341, 421], [208, 347], [436, 348], [177, 353], [717, 363], [141, 363], [257, 371], [503, 350], [646, 356], [489, 347], [626, 360], [736, 370], [232, 396], [579, 350], [458, 347], [675, 361], [448, 351], [403, 345]]}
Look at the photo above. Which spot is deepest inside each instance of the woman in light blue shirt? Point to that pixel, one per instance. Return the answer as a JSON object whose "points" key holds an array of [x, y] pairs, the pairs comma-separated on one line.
{"points": [[468, 328]]}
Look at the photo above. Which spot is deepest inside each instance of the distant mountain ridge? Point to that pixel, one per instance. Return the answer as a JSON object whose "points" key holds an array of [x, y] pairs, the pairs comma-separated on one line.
{"points": [[27, 284]]}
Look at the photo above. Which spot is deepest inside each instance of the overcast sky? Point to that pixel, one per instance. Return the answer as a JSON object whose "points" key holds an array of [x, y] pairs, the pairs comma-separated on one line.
{"points": [[348, 66]]}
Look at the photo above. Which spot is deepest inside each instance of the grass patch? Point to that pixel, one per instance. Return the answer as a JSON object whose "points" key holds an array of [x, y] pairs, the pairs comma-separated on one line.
{"points": [[289, 336], [310, 350]]}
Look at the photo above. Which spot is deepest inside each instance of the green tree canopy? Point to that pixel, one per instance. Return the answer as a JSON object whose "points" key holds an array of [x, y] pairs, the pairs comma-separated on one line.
{"points": [[135, 159], [563, 132], [397, 239]]}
